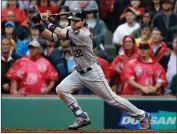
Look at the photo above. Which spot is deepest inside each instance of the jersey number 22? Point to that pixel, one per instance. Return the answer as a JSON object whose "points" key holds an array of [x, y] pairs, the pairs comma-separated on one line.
{"points": [[78, 53]]}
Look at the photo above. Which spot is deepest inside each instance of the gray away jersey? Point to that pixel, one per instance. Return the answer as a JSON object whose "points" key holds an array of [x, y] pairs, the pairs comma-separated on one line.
{"points": [[81, 47]]}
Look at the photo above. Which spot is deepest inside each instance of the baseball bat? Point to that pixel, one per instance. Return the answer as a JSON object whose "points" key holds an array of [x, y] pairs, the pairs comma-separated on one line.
{"points": [[87, 11], [60, 14]]}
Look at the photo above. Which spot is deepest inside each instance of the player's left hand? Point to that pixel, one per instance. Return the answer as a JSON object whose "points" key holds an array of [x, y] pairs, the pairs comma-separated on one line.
{"points": [[36, 18], [44, 16]]}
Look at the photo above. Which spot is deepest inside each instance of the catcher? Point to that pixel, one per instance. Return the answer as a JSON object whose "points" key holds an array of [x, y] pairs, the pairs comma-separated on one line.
{"points": [[88, 73]]}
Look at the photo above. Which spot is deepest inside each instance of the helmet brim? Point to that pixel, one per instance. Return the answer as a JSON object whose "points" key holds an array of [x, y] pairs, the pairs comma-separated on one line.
{"points": [[74, 18]]}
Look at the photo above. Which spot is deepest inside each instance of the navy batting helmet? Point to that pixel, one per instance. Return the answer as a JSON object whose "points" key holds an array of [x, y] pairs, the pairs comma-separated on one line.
{"points": [[77, 14]]}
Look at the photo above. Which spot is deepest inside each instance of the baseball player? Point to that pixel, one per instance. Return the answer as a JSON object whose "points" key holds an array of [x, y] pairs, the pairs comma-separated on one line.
{"points": [[88, 73]]}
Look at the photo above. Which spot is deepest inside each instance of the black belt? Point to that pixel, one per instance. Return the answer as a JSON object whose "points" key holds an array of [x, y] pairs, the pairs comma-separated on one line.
{"points": [[82, 71]]}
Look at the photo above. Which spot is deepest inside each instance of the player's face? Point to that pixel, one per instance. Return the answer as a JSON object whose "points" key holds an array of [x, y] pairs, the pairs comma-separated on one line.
{"points": [[128, 43], [144, 52], [5, 46], [76, 24]]}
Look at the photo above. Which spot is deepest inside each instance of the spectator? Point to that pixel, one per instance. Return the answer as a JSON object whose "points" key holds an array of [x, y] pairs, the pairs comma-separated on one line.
{"points": [[48, 6], [170, 65], [159, 48], [22, 44], [63, 20], [45, 68], [175, 8], [173, 86], [50, 46], [87, 4], [103, 63], [10, 17], [26, 26], [112, 19], [98, 30], [12, 5], [130, 52], [135, 6], [57, 54], [9, 32], [25, 78], [7, 59], [145, 20], [35, 36], [22, 3], [166, 22], [65, 63], [72, 4], [105, 8], [24, 33], [125, 29], [143, 75], [84, 4], [156, 7], [59, 3], [145, 35]]}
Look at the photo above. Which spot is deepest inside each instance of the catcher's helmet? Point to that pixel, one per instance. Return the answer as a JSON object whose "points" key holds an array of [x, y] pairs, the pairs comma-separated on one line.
{"points": [[77, 14]]}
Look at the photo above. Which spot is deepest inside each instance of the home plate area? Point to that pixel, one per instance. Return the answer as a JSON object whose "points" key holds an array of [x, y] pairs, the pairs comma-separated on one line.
{"points": [[84, 131]]}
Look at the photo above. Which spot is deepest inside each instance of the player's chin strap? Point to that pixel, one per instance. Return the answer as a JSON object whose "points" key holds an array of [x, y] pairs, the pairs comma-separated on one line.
{"points": [[76, 109]]}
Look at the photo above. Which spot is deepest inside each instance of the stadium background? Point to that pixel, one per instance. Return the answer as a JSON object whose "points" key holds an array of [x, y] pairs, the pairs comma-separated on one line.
{"points": [[49, 112]]}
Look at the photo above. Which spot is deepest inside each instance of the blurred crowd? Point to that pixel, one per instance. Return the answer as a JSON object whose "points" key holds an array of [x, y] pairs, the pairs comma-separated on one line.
{"points": [[144, 37]]}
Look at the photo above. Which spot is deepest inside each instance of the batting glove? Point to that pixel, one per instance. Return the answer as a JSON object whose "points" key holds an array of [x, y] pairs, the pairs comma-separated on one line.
{"points": [[36, 19]]}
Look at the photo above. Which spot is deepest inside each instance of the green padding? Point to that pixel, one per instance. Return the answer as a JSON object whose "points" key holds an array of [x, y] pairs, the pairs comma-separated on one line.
{"points": [[167, 120], [47, 112]]}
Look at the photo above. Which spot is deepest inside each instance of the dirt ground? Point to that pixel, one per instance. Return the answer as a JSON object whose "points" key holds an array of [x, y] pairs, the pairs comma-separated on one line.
{"points": [[84, 131]]}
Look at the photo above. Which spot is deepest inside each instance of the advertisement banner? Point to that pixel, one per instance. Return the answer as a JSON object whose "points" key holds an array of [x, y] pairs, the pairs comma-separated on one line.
{"points": [[163, 111], [162, 120]]}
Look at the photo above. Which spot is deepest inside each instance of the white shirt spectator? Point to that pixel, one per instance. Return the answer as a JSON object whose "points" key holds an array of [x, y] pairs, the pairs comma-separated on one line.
{"points": [[72, 4], [122, 31], [171, 71], [76, 4]]}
